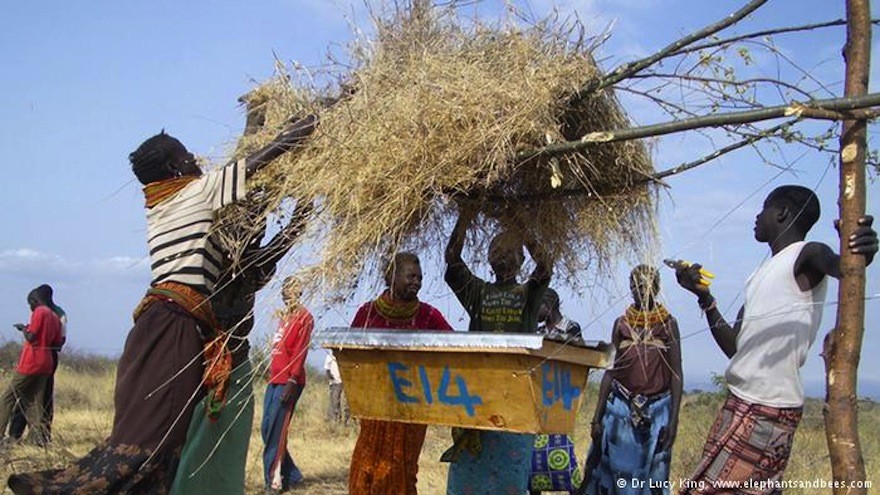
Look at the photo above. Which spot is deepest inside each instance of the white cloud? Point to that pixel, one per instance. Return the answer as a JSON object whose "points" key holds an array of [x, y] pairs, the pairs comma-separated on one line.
{"points": [[25, 261]]}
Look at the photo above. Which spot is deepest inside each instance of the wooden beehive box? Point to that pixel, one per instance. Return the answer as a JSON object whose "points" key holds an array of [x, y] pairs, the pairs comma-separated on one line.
{"points": [[511, 382]]}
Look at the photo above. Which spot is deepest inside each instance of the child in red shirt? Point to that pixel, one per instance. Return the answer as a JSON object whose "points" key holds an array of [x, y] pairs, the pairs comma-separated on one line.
{"points": [[287, 378]]}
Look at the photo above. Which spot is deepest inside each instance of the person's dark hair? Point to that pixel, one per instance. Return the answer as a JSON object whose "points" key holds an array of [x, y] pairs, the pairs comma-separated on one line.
{"points": [[38, 295], [150, 161], [644, 274], [801, 202], [551, 297], [45, 292], [395, 261]]}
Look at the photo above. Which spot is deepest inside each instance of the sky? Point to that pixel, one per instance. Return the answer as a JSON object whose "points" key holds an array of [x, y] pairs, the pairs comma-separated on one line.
{"points": [[84, 83]]}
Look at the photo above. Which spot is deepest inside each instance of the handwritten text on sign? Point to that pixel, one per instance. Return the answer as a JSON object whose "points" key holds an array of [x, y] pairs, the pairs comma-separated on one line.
{"points": [[403, 388], [556, 386]]}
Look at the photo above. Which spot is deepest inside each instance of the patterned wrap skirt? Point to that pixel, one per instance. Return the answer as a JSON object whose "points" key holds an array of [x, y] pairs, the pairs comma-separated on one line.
{"points": [[747, 443], [385, 460]]}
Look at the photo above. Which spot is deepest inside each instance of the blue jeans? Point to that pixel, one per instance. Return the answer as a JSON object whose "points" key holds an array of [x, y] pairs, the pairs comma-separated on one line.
{"points": [[274, 428]]}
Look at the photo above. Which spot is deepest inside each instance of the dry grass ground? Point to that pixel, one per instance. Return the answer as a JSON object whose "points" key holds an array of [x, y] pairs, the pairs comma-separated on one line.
{"points": [[85, 406]]}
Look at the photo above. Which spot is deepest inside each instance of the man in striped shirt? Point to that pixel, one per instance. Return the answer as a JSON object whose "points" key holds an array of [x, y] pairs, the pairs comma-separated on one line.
{"points": [[160, 376]]}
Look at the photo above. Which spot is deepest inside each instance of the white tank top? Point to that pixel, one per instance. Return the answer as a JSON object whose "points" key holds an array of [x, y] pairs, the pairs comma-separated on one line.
{"points": [[780, 322]]}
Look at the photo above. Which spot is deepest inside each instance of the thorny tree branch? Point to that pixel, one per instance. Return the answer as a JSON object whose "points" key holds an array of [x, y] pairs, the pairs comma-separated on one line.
{"points": [[768, 32], [817, 109], [657, 176], [723, 151], [627, 70], [732, 82]]}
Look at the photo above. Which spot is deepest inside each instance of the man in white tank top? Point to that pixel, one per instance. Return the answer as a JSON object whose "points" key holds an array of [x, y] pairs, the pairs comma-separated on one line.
{"points": [[768, 343]]}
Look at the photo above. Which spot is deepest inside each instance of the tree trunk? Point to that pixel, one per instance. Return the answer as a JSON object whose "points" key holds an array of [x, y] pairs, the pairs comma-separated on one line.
{"points": [[843, 344]]}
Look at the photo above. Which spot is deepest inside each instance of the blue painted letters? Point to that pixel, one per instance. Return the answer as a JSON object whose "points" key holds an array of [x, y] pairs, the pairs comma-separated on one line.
{"points": [[459, 398], [556, 385], [399, 383]]}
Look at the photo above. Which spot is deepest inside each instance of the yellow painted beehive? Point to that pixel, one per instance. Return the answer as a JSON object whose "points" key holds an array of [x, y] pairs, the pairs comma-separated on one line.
{"points": [[520, 383]]}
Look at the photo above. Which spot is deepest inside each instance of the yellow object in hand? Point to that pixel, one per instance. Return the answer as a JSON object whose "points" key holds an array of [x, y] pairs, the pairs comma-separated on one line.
{"points": [[705, 275]]}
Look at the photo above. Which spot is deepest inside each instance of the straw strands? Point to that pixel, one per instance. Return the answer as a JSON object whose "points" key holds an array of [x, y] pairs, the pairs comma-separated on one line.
{"points": [[433, 112]]}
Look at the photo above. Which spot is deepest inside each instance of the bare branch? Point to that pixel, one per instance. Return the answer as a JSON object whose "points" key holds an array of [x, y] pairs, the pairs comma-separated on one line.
{"points": [[723, 151], [626, 70], [821, 114], [656, 177], [732, 82], [730, 118], [767, 32]]}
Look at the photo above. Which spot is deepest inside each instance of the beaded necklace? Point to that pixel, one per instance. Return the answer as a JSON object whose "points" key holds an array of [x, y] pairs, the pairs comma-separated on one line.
{"points": [[395, 311]]}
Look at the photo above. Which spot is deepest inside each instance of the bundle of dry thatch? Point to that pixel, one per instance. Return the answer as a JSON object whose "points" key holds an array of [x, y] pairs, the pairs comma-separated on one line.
{"points": [[436, 110]]}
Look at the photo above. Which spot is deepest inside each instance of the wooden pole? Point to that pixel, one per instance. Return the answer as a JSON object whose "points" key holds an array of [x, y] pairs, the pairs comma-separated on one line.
{"points": [[843, 344]]}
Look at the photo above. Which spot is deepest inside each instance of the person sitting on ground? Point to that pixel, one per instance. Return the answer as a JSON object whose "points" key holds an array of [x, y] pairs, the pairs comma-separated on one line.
{"points": [[176, 348], [287, 379], [753, 433], [35, 366], [636, 418], [19, 421], [385, 460], [493, 462], [548, 472]]}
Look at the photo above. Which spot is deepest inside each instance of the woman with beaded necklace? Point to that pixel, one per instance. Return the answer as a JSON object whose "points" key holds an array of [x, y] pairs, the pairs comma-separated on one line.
{"points": [[636, 416], [385, 460]]}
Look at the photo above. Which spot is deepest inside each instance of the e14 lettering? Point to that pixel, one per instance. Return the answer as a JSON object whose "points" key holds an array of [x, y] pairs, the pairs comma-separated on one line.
{"points": [[408, 393]]}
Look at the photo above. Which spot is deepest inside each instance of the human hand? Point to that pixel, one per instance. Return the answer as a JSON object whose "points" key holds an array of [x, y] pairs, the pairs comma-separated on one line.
{"points": [[298, 130], [291, 392], [467, 210], [666, 439], [692, 277], [864, 239]]}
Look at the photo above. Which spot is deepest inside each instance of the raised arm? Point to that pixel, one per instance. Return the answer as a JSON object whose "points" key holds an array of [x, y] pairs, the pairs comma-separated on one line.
{"points": [[543, 264], [818, 260], [457, 276], [466, 216], [281, 242], [292, 136], [725, 336]]}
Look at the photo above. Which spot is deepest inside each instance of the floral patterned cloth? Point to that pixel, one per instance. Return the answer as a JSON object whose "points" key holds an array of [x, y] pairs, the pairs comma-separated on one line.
{"points": [[554, 465], [501, 468]]}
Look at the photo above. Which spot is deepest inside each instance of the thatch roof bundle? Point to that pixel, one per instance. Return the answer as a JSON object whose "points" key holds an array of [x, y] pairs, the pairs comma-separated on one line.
{"points": [[438, 110]]}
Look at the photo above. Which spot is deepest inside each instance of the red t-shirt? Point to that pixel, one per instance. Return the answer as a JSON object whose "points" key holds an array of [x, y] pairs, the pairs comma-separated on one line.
{"points": [[290, 347], [36, 356], [426, 318]]}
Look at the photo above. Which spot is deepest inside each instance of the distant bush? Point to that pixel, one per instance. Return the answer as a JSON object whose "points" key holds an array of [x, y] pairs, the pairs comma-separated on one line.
{"points": [[86, 362], [71, 358], [9, 353]]}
